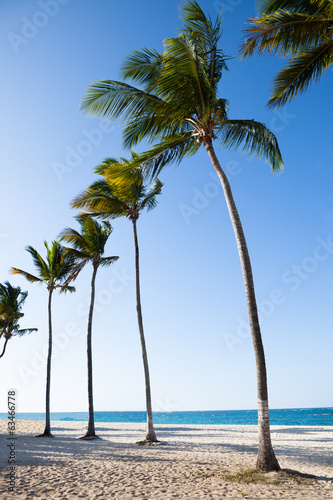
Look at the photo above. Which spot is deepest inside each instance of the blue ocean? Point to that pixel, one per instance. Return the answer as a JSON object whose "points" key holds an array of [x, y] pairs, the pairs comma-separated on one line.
{"points": [[290, 416]]}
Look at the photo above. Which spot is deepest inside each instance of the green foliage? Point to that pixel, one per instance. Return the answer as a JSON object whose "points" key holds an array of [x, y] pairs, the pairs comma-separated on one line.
{"points": [[285, 478], [120, 192], [301, 29], [303, 6], [11, 302], [87, 245], [303, 70], [53, 271], [177, 107], [246, 476]]}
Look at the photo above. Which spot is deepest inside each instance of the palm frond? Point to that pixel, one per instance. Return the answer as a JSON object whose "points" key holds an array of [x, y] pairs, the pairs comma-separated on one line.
{"points": [[11, 303], [171, 149], [112, 99], [286, 32], [180, 81], [30, 277], [100, 199], [149, 201], [77, 254], [206, 36], [60, 262], [76, 270], [39, 262], [76, 239], [300, 72], [310, 7], [153, 127], [11, 298], [143, 67], [108, 163], [88, 245], [65, 289], [121, 175], [254, 138], [107, 261], [54, 270], [24, 331]]}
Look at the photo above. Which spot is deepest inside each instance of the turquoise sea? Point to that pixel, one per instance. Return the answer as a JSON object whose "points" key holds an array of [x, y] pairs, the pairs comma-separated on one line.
{"points": [[290, 416]]}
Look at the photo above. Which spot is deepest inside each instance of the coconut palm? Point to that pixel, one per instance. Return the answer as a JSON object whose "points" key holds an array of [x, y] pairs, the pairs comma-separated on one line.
{"points": [[88, 246], [11, 303], [302, 29], [177, 106], [116, 196], [53, 273]]}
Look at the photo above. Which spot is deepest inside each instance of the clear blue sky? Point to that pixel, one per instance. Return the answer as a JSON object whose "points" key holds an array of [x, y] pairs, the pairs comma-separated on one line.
{"points": [[200, 354]]}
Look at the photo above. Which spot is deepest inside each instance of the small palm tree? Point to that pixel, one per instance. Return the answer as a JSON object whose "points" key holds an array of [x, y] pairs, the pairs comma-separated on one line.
{"points": [[119, 195], [302, 29], [88, 246], [53, 273], [179, 107], [11, 303]]}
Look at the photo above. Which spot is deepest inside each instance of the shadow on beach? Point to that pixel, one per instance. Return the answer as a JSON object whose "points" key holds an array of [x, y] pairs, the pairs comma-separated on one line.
{"points": [[51, 451]]}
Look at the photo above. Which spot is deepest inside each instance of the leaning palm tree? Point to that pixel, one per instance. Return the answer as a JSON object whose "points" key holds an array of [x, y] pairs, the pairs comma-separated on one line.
{"points": [[11, 303], [88, 246], [302, 29], [52, 272], [113, 196], [177, 106]]}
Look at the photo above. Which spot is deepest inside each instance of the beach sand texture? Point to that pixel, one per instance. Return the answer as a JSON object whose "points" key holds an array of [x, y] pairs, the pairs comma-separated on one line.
{"points": [[193, 464]]}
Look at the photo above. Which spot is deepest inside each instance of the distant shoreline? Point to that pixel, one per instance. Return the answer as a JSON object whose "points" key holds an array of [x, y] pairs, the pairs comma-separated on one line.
{"points": [[290, 417]]}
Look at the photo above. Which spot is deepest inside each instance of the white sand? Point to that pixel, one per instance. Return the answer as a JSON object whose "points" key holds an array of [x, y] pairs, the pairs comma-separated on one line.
{"points": [[191, 465]]}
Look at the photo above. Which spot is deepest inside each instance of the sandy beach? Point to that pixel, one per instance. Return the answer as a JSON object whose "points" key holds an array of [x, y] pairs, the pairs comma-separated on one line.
{"points": [[196, 462]]}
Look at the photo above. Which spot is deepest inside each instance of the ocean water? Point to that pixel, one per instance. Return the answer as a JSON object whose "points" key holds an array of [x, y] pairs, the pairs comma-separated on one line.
{"points": [[290, 416]]}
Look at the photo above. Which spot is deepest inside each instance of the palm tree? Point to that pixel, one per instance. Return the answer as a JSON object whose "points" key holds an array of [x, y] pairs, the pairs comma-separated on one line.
{"points": [[116, 196], [88, 246], [178, 105], [11, 303], [52, 272], [301, 29]]}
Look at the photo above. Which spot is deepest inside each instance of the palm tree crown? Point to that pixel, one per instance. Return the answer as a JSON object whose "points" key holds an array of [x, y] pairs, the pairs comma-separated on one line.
{"points": [[119, 192], [301, 29], [178, 103], [11, 303], [87, 245], [53, 271]]}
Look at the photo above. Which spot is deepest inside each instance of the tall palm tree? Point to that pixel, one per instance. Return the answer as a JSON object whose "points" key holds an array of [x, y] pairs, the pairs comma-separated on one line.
{"points": [[88, 246], [52, 272], [178, 106], [11, 303], [116, 196], [302, 29]]}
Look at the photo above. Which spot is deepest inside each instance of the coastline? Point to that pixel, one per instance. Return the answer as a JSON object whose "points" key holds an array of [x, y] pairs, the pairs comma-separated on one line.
{"points": [[195, 462], [316, 416]]}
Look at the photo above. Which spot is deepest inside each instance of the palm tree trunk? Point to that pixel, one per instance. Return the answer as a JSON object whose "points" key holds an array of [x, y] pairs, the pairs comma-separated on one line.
{"points": [[4, 348], [47, 430], [266, 460], [91, 423], [150, 437]]}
